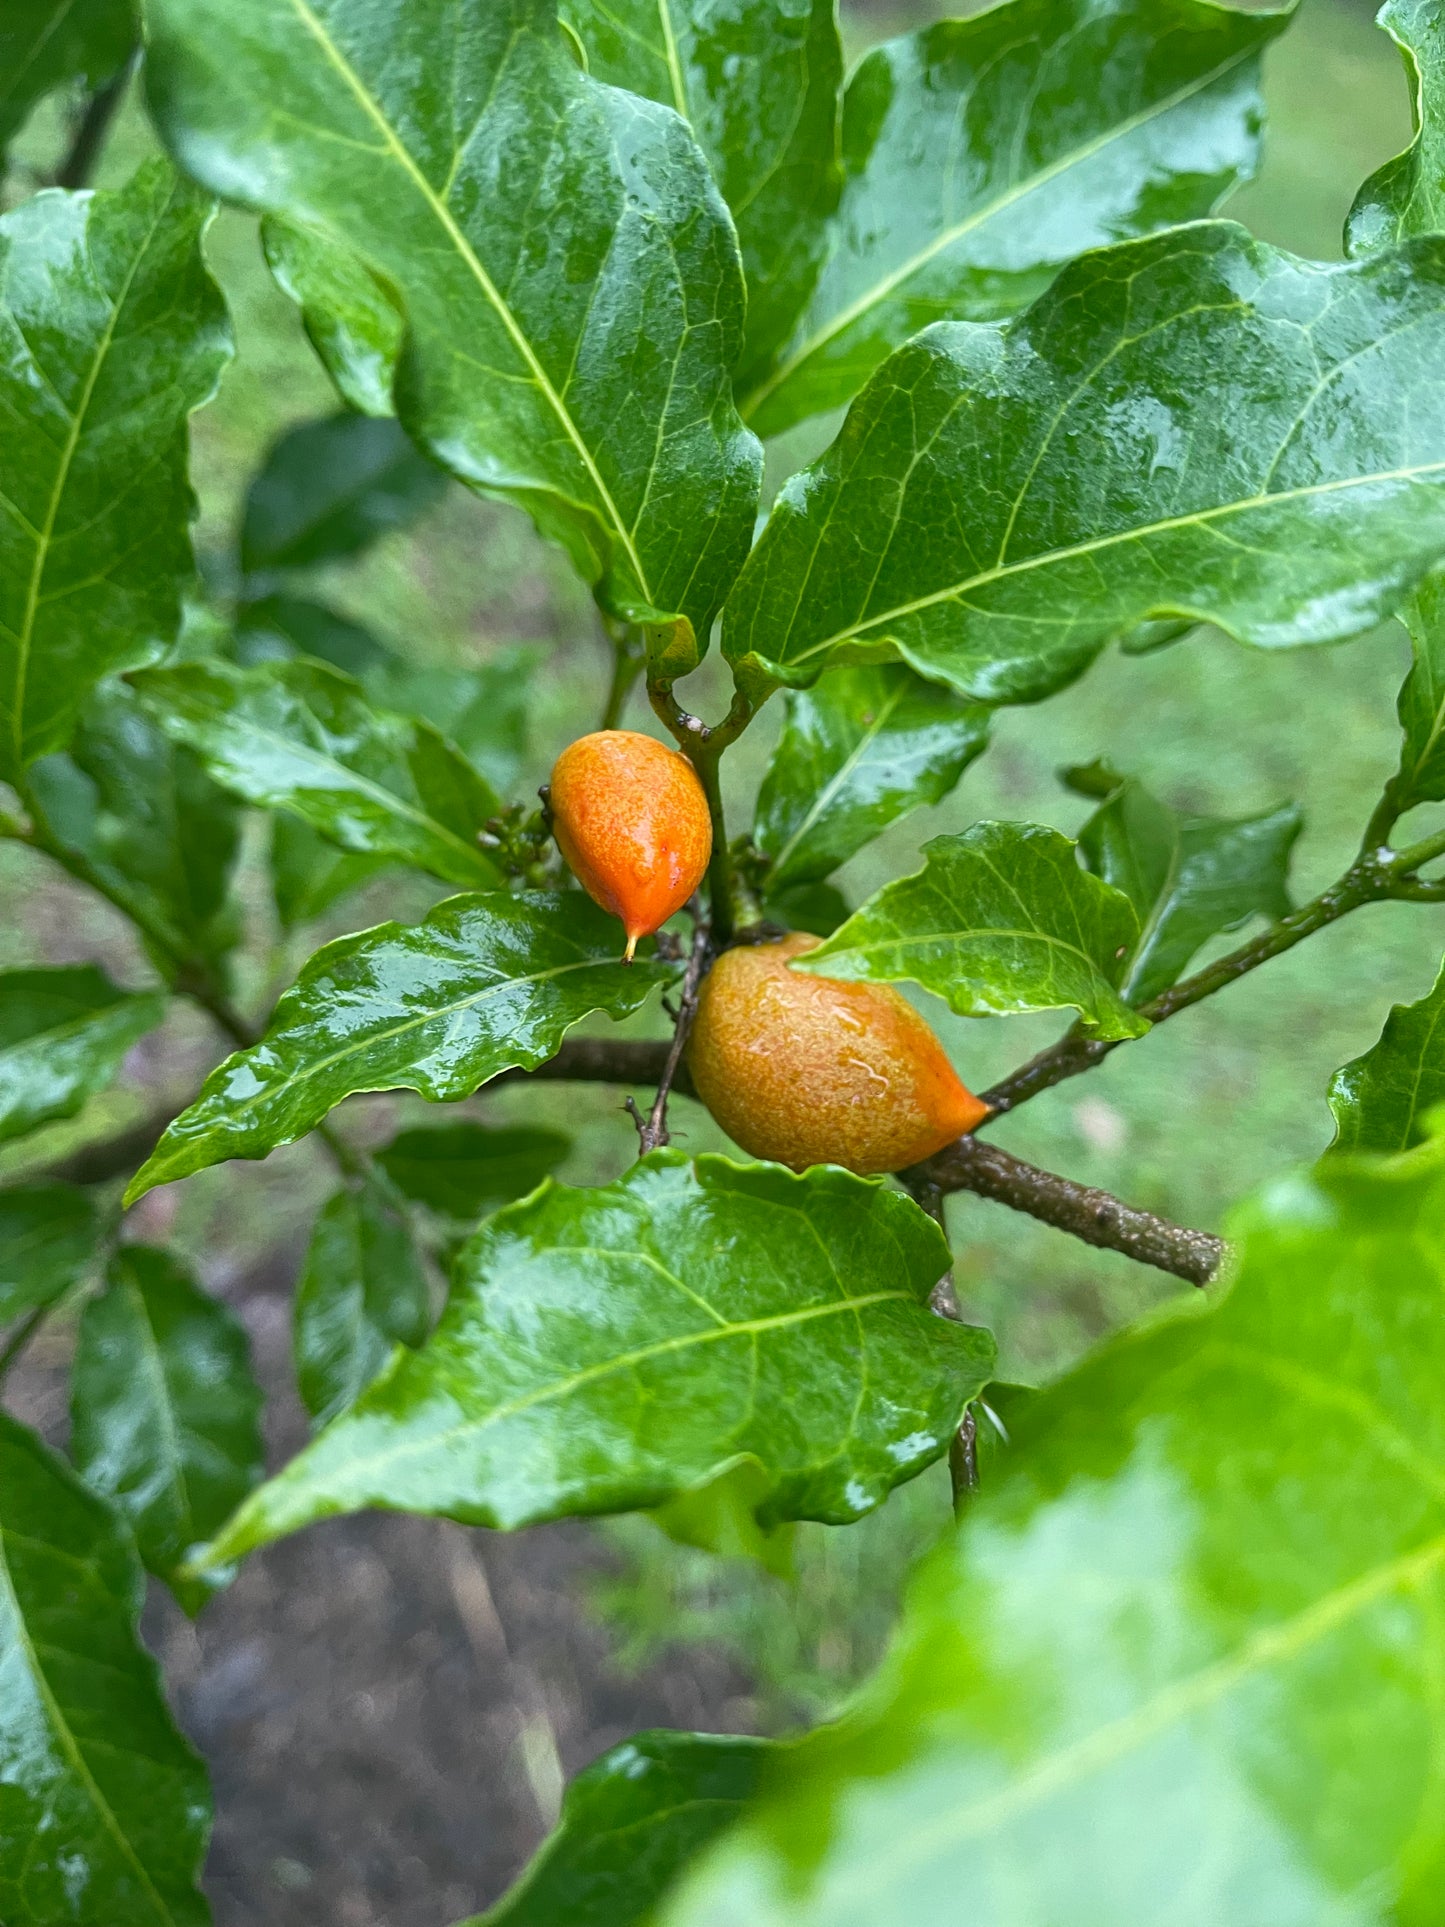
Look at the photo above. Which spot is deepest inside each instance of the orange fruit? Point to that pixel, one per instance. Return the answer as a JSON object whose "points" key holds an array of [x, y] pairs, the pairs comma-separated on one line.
{"points": [[631, 819], [806, 1071]]}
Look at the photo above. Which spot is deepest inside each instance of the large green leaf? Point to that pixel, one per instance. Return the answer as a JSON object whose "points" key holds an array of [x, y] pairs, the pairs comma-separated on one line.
{"points": [[1407, 195], [980, 155], [103, 1807], [1182, 1663], [164, 1411], [356, 324], [47, 1243], [466, 1170], [273, 628], [361, 1293], [1000, 919], [111, 332], [328, 489], [863, 748], [1381, 1100], [1421, 777], [62, 1036], [758, 82], [310, 875], [149, 823], [302, 737], [1188, 877], [1191, 425], [605, 1349], [485, 983], [569, 272], [631, 1822], [46, 43]]}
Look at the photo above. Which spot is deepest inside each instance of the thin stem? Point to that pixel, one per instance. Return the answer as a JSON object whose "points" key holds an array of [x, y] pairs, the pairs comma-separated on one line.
{"points": [[629, 659], [92, 128], [704, 748], [652, 1130], [943, 1299], [1096, 1217]]}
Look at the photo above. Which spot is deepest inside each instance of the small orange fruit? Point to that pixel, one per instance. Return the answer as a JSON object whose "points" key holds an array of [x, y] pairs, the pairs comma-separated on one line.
{"points": [[630, 817], [807, 1071]]}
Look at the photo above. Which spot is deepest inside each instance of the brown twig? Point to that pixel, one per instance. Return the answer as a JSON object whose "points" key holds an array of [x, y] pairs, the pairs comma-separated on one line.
{"points": [[1097, 1217], [963, 1446], [92, 128], [652, 1132]]}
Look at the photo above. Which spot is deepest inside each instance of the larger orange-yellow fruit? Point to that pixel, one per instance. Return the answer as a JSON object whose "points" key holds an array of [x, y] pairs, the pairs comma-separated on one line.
{"points": [[807, 1071], [630, 817]]}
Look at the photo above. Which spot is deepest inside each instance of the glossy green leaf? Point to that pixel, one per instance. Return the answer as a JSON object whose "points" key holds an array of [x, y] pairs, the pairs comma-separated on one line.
{"points": [[1182, 1662], [631, 1822], [48, 1238], [1407, 195], [857, 752], [1188, 877], [1191, 425], [483, 984], [309, 876], [329, 489], [980, 155], [148, 821], [466, 1170], [104, 1810], [1381, 1100], [570, 276], [111, 332], [355, 323], [818, 907], [361, 1293], [1421, 777], [486, 711], [301, 736], [758, 82], [999, 920], [273, 628], [604, 1349], [63, 1034], [164, 1411], [44, 44]]}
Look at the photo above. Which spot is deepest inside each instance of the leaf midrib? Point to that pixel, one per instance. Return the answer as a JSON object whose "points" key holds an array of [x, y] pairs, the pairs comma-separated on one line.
{"points": [[443, 215], [881, 290], [1138, 533], [60, 1726]]}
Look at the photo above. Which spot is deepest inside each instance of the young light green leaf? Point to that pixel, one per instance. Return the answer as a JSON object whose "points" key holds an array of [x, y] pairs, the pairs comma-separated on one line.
{"points": [[111, 332], [309, 875], [466, 1170], [362, 1292], [44, 44], [605, 1349], [1188, 877], [47, 1242], [164, 1411], [1181, 1662], [483, 984], [571, 279], [151, 825], [329, 489], [1421, 777], [860, 750], [758, 82], [1381, 1100], [1407, 195], [980, 155], [355, 324], [104, 1811], [300, 736], [1265, 446], [999, 920], [63, 1034], [631, 1823]]}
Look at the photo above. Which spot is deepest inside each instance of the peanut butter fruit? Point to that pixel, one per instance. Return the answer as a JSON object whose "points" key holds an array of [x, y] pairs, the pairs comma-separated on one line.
{"points": [[631, 819], [806, 1071]]}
